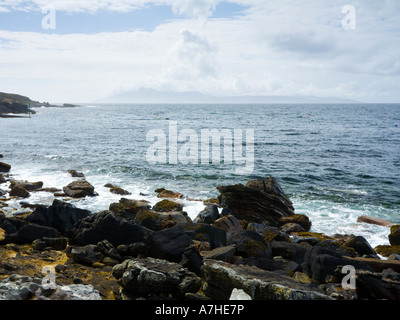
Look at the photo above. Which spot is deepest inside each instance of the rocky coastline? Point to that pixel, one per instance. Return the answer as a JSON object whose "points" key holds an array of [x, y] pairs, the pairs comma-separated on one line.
{"points": [[249, 239]]}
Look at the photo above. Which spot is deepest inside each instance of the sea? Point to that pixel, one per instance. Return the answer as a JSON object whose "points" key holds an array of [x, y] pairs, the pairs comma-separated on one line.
{"points": [[335, 162]]}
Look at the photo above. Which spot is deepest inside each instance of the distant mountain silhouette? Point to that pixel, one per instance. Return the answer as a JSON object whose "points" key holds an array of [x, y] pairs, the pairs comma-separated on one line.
{"points": [[154, 96]]}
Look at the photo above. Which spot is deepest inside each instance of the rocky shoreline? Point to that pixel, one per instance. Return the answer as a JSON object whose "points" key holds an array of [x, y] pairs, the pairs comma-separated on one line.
{"points": [[248, 240]]}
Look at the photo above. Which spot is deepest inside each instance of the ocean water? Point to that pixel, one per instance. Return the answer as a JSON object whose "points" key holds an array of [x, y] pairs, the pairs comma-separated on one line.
{"points": [[335, 162]]}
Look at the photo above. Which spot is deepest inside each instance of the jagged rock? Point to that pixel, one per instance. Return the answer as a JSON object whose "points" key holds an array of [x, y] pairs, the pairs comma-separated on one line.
{"points": [[192, 260], [79, 189], [229, 223], [60, 215], [108, 250], [360, 245], [4, 167], [221, 278], [156, 221], [291, 251], [258, 201], [226, 253], [105, 225], [18, 287], [133, 249], [50, 243], [209, 215], [86, 255], [143, 277], [216, 237], [378, 286], [299, 219]]}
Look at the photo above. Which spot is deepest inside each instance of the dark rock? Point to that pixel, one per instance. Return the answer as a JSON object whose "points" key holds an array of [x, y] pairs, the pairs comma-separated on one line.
{"points": [[374, 286], [50, 243], [249, 244], [216, 237], [4, 167], [18, 191], [262, 263], [2, 178], [209, 215], [76, 174], [105, 225], [260, 200], [79, 189], [86, 255], [360, 245], [192, 260], [169, 244], [226, 253], [144, 277], [108, 250], [291, 251], [221, 278], [31, 232], [133, 249], [157, 221], [60, 215], [394, 236], [29, 186], [120, 191]]}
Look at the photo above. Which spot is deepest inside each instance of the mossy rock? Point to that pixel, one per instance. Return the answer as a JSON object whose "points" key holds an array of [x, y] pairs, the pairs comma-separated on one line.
{"points": [[386, 250], [167, 205], [319, 236], [211, 201]]}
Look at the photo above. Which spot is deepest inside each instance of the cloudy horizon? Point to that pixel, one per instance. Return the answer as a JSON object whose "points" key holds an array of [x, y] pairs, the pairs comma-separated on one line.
{"points": [[100, 48]]}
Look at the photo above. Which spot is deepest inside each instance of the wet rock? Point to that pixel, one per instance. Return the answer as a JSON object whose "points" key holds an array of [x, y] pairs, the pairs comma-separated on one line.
{"points": [[60, 215], [29, 186], [169, 244], [374, 220], [4, 167], [221, 278], [209, 215], [18, 191], [258, 201], [79, 189], [249, 244], [120, 191], [163, 193], [155, 277], [76, 174], [394, 236], [105, 225]]}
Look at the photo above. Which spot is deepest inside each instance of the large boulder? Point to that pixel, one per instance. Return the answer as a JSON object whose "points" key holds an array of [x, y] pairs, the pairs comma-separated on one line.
{"points": [[157, 221], [129, 207], [155, 277], [29, 186], [19, 191], [79, 189], [60, 215], [30, 232], [209, 215], [249, 244], [258, 201], [221, 278], [105, 225], [216, 237]]}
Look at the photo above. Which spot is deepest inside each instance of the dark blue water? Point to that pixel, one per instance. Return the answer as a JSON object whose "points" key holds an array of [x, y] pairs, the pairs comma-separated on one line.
{"points": [[336, 162]]}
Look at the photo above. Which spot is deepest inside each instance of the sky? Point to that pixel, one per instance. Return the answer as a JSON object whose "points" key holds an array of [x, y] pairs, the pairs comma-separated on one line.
{"points": [[83, 51]]}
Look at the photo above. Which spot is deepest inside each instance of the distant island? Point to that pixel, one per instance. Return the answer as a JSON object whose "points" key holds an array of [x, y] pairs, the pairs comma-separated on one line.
{"points": [[11, 103], [145, 95]]}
